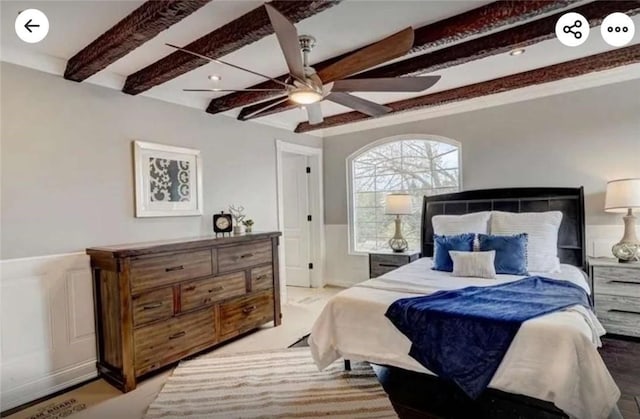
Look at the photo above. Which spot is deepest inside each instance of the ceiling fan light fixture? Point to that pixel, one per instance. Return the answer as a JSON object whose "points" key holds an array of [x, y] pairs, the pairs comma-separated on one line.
{"points": [[305, 96], [215, 77]]}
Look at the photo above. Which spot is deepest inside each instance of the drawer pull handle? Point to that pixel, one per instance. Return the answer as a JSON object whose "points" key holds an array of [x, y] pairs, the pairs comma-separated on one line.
{"points": [[152, 306], [258, 278], [177, 335], [246, 255], [174, 268], [190, 288], [615, 310], [617, 281], [248, 310], [216, 289], [389, 265]]}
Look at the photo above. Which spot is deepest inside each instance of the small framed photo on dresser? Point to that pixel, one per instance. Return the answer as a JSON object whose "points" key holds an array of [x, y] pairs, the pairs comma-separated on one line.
{"points": [[168, 180]]}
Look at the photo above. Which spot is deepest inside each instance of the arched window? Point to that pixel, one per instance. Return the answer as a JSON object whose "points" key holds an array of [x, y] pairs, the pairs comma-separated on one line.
{"points": [[415, 164]]}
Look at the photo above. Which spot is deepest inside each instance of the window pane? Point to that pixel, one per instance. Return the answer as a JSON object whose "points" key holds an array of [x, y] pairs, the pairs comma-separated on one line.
{"points": [[418, 167]]}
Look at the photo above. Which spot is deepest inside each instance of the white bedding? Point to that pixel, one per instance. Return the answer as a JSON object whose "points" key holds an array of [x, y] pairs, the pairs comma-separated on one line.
{"points": [[552, 358]]}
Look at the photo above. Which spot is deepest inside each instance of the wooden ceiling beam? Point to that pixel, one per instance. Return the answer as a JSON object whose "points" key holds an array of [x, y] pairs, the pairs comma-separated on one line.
{"points": [[443, 32], [599, 62], [497, 43], [236, 34], [135, 29]]}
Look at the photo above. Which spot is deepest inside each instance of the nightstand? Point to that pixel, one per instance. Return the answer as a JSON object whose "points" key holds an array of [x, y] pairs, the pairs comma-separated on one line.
{"points": [[616, 293], [382, 262]]}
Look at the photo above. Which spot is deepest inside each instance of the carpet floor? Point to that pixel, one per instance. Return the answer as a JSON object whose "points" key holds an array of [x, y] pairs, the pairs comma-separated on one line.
{"points": [[276, 384]]}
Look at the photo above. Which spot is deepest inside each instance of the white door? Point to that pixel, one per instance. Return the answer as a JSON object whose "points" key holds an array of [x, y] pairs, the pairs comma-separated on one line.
{"points": [[295, 210]]}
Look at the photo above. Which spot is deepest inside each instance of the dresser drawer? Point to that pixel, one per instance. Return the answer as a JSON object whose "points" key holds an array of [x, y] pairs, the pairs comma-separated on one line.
{"points": [[151, 272], [243, 256], [617, 281], [246, 313], [162, 343], [202, 292], [262, 278], [152, 305], [619, 314]]}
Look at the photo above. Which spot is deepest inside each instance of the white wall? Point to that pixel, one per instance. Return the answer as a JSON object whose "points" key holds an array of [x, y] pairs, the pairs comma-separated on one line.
{"points": [[581, 138], [67, 184], [67, 167]]}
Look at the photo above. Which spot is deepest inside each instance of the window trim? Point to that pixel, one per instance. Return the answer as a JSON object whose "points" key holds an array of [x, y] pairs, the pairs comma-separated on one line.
{"points": [[349, 167]]}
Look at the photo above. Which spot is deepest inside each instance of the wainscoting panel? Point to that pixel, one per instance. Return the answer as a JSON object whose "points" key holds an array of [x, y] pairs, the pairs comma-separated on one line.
{"points": [[47, 322]]}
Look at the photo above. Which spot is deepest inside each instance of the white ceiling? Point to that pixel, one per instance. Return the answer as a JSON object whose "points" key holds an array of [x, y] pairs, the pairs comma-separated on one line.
{"points": [[349, 25]]}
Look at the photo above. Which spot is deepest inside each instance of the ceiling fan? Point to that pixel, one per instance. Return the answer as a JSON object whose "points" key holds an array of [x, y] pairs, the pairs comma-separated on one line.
{"points": [[307, 87]]}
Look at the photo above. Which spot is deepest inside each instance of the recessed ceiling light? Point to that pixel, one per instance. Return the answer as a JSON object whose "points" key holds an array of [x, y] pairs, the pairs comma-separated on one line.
{"points": [[215, 77], [517, 51]]}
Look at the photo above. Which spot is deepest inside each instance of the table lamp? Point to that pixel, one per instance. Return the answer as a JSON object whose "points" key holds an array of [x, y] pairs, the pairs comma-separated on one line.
{"points": [[398, 204], [623, 195]]}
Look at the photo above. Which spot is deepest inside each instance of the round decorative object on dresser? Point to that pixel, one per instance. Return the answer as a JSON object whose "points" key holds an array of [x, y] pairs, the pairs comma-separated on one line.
{"points": [[222, 223]]}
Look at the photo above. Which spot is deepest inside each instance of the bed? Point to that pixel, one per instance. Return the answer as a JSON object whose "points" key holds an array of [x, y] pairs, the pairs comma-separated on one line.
{"points": [[353, 325]]}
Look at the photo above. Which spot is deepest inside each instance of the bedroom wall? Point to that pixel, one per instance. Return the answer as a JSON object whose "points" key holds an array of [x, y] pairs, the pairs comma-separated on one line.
{"points": [[581, 138], [67, 183], [67, 166]]}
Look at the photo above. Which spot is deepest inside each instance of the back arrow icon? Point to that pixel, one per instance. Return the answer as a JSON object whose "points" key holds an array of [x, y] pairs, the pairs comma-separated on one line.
{"points": [[29, 25]]}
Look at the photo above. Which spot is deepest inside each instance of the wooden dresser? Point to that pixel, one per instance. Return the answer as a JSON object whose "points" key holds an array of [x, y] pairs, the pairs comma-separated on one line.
{"points": [[616, 292], [159, 302]]}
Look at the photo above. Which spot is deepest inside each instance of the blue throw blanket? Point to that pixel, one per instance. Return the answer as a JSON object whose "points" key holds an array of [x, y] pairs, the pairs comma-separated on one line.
{"points": [[462, 335]]}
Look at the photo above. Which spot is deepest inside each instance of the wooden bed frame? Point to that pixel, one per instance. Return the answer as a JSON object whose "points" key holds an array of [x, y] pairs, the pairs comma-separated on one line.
{"points": [[423, 395]]}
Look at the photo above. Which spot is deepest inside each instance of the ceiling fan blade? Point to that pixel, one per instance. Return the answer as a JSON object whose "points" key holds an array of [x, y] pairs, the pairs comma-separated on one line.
{"points": [[314, 112], [288, 39], [271, 105], [380, 52], [361, 105], [234, 90], [215, 60], [385, 84]]}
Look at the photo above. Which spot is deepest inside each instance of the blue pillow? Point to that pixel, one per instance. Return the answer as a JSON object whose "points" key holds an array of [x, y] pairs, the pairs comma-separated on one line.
{"points": [[511, 252], [441, 246]]}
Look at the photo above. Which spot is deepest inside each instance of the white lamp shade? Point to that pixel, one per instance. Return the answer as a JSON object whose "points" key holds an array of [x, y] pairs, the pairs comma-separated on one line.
{"points": [[398, 204], [622, 194]]}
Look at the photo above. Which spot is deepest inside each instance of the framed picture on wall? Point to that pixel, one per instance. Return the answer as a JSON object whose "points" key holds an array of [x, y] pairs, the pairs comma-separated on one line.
{"points": [[168, 180]]}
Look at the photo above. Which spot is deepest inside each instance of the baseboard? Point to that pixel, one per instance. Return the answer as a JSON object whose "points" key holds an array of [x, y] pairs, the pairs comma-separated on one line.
{"points": [[45, 386], [27, 405]]}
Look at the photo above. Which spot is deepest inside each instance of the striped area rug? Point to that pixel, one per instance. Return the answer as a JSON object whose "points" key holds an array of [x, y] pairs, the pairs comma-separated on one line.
{"points": [[276, 384]]}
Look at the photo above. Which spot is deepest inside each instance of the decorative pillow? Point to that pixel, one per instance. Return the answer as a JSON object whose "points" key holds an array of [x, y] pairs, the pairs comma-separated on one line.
{"points": [[511, 252], [476, 264], [449, 225], [542, 228], [442, 244]]}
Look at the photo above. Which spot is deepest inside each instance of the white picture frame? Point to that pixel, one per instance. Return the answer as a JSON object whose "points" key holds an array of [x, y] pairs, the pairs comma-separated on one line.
{"points": [[168, 180]]}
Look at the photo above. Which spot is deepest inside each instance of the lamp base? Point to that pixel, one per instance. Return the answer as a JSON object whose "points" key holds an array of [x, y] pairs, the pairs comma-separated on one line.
{"points": [[628, 249], [397, 243], [626, 252]]}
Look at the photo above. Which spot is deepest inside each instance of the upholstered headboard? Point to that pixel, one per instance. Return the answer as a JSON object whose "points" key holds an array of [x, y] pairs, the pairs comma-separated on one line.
{"points": [[570, 201]]}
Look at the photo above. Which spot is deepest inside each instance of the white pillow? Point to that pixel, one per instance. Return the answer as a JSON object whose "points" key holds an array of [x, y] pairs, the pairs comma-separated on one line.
{"points": [[449, 225], [476, 264], [542, 228]]}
